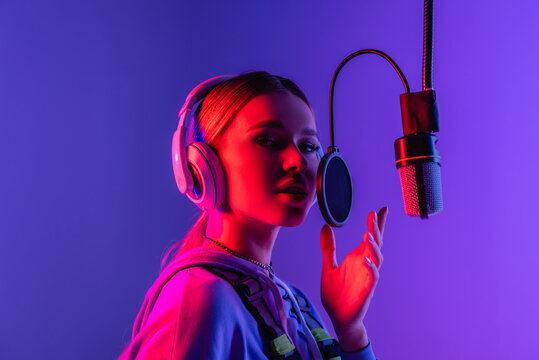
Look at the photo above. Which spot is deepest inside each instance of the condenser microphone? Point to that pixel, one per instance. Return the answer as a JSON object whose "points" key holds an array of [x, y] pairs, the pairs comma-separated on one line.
{"points": [[416, 156]]}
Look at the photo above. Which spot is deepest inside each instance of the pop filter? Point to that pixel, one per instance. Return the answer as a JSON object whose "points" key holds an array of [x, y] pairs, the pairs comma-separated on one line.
{"points": [[334, 188]]}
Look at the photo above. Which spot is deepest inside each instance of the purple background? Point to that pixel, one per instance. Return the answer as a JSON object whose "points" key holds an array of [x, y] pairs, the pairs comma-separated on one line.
{"points": [[89, 96]]}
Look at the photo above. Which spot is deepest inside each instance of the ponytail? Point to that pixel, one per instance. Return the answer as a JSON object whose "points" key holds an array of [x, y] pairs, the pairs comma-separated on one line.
{"points": [[193, 240]]}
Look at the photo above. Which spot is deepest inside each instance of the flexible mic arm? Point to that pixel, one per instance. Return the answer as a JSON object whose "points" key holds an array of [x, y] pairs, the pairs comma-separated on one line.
{"points": [[341, 65]]}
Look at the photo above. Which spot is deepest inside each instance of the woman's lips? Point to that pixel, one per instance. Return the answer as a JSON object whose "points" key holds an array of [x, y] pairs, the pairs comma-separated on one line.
{"points": [[293, 190], [293, 196]]}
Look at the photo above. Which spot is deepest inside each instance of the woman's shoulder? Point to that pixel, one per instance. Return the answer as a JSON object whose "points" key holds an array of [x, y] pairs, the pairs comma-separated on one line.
{"points": [[193, 279], [211, 321], [196, 288], [191, 313]]}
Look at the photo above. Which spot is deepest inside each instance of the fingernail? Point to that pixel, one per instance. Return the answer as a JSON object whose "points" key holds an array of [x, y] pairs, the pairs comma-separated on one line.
{"points": [[368, 260], [371, 238], [375, 218]]}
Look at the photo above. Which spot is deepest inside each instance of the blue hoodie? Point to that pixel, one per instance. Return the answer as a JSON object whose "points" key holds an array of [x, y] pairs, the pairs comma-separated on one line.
{"points": [[195, 314]]}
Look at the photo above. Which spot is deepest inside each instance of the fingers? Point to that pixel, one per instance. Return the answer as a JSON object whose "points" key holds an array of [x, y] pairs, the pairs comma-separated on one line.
{"points": [[382, 217], [372, 251], [327, 244], [372, 226], [376, 224]]}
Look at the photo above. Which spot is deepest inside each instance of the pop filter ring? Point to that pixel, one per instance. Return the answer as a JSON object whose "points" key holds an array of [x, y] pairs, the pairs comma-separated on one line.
{"points": [[335, 218]]}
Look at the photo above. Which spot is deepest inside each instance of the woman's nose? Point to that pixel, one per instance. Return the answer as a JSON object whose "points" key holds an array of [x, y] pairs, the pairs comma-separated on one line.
{"points": [[293, 158]]}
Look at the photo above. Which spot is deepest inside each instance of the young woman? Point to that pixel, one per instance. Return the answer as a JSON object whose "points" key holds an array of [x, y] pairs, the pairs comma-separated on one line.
{"points": [[217, 296]]}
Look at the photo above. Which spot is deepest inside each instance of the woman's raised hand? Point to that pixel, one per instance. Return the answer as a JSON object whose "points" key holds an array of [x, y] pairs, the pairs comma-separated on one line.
{"points": [[347, 289]]}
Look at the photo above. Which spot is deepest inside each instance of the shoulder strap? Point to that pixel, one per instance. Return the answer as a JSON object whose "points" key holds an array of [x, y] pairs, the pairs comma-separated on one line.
{"points": [[252, 292]]}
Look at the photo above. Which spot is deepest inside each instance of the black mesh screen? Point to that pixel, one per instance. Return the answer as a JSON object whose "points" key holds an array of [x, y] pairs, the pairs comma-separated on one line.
{"points": [[338, 189], [433, 188]]}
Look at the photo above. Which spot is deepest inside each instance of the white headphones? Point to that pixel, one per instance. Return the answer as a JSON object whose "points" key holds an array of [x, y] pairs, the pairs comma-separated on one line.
{"points": [[197, 169]]}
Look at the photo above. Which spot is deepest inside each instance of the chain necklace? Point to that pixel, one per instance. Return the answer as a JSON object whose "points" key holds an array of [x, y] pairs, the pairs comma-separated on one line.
{"points": [[230, 251]]}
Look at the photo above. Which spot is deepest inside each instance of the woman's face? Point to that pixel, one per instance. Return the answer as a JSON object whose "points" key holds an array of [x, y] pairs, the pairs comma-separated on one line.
{"points": [[269, 158]]}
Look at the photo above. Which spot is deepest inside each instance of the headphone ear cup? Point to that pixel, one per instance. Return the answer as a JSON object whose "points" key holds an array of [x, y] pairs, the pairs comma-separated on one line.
{"points": [[179, 175], [209, 179]]}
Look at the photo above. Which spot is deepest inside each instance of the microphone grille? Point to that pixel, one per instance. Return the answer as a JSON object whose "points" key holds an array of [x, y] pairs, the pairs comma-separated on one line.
{"points": [[431, 185]]}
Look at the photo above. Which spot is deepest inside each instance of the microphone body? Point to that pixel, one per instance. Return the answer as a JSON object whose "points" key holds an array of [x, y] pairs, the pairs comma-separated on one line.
{"points": [[418, 162], [416, 156]]}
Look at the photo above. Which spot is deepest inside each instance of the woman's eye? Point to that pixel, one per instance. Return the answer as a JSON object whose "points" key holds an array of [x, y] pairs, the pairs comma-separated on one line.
{"points": [[266, 142], [310, 147]]}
